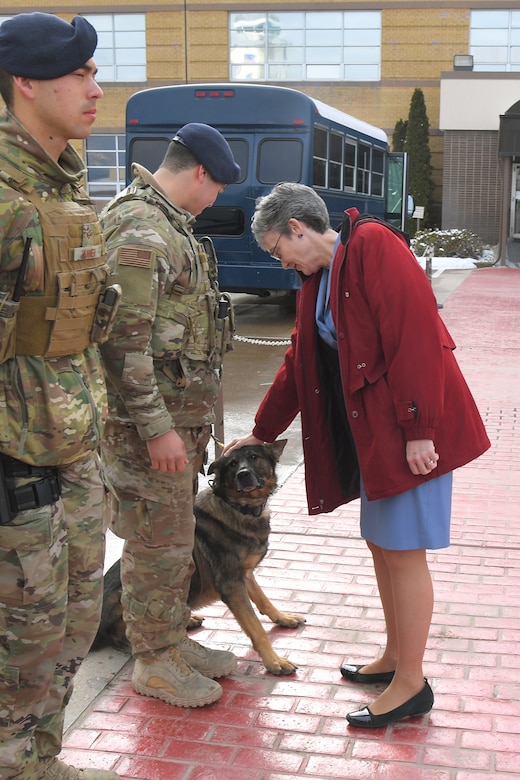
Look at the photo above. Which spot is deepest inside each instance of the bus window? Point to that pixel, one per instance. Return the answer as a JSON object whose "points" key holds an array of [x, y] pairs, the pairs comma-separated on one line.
{"points": [[335, 161], [279, 159], [319, 161], [349, 170], [148, 152], [220, 221], [240, 150], [363, 169], [378, 172]]}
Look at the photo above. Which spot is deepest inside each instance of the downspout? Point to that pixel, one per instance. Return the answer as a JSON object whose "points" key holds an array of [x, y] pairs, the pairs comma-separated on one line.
{"points": [[504, 214]]}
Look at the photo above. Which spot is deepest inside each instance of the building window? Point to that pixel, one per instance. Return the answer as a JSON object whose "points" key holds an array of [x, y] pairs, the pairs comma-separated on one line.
{"points": [[121, 51], [495, 40], [294, 46], [105, 157]]}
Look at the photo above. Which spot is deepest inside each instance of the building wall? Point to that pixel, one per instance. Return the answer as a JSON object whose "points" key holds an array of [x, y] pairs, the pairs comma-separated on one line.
{"points": [[477, 182], [475, 101], [472, 182], [188, 42]]}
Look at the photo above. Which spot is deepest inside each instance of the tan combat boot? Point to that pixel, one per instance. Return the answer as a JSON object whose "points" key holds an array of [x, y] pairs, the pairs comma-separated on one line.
{"points": [[210, 663], [54, 769], [168, 677]]}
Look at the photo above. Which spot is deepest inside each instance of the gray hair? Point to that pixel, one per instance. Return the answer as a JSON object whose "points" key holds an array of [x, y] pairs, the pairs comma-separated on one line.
{"points": [[289, 200]]}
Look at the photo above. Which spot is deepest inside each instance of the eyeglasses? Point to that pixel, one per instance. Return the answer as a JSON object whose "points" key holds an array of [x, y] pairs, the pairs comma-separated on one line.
{"points": [[273, 250]]}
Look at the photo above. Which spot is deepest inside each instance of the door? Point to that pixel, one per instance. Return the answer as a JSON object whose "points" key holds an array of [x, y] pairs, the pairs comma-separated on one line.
{"points": [[515, 203], [398, 205]]}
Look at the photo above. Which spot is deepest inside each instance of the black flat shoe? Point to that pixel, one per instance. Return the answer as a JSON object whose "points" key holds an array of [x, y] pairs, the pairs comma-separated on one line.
{"points": [[351, 672], [419, 704]]}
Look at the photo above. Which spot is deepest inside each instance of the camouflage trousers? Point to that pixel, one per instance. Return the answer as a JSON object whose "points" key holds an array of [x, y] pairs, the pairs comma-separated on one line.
{"points": [[153, 513], [51, 585]]}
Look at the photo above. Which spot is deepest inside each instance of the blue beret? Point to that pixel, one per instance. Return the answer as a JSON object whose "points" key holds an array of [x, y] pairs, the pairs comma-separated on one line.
{"points": [[43, 46], [211, 150]]}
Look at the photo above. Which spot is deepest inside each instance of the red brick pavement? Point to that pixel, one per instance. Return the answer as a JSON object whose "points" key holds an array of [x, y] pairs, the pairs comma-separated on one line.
{"points": [[268, 728]]}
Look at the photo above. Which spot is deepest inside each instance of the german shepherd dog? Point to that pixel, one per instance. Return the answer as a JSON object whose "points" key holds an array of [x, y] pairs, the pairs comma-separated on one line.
{"points": [[231, 538]]}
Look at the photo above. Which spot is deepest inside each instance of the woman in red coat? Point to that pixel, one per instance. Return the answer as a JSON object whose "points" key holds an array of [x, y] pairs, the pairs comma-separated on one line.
{"points": [[386, 415]]}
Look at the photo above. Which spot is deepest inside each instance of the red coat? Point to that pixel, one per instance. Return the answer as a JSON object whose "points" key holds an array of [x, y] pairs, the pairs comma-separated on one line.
{"points": [[400, 377]]}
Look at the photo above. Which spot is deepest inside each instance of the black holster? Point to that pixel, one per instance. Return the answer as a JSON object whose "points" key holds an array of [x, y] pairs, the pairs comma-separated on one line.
{"points": [[43, 490]]}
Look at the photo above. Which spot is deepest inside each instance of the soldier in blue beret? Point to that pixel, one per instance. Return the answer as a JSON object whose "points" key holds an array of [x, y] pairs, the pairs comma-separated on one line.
{"points": [[52, 392], [163, 362]]}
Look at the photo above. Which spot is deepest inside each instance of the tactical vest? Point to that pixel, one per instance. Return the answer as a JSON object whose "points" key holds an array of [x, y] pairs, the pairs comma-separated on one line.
{"points": [[59, 321], [205, 312]]}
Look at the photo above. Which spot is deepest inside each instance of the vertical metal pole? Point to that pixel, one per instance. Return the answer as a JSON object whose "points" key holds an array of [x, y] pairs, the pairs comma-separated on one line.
{"points": [[429, 269], [507, 187], [185, 42], [219, 424]]}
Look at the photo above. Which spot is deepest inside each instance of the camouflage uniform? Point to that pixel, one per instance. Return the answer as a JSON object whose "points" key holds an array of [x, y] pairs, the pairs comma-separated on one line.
{"points": [[51, 410], [163, 364]]}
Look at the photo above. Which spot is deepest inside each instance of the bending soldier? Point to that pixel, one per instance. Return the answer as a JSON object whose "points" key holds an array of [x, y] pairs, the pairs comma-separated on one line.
{"points": [[163, 364]]}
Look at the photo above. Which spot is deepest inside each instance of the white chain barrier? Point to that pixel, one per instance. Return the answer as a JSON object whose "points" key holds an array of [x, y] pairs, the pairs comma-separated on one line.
{"points": [[263, 342]]}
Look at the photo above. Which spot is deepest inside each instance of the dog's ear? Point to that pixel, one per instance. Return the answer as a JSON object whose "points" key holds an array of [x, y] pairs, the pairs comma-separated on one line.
{"points": [[211, 467], [277, 447]]}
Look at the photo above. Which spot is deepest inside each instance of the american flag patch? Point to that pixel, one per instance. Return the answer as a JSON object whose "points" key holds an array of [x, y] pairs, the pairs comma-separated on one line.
{"points": [[141, 258]]}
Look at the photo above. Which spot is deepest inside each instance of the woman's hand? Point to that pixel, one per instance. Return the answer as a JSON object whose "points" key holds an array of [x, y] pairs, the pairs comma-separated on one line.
{"points": [[421, 456], [236, 443]]}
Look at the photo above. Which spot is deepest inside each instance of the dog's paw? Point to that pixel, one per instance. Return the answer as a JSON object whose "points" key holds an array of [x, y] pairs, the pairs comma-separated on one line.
{"points": [[281, 666], [194, 622], [289, 620]]}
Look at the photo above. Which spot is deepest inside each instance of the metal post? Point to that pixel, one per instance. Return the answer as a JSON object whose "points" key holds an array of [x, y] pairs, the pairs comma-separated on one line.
{"points": [[219, 424]]}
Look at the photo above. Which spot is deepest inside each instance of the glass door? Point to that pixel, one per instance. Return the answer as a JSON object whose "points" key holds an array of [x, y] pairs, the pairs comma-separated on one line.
{"points": [[515, 202], [399, 204]]}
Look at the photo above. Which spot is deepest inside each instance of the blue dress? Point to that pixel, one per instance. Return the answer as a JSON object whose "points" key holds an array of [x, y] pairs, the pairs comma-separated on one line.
{"points": [[418, 519]]}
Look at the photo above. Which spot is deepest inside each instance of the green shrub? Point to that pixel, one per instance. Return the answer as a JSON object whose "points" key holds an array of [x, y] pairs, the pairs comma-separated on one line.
{"points": [[447, 243]]}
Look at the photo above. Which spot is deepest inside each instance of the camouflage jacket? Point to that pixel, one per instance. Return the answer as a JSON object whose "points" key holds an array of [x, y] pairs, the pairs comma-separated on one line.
{"points": [[51, 410], [163, 357]]}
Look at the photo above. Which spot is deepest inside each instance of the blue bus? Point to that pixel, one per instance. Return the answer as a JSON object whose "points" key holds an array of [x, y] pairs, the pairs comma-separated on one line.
{"points": [[276, 134]]}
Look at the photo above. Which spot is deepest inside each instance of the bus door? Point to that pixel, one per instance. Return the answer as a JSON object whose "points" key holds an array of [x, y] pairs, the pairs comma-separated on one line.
{"points": [[397, 210]]}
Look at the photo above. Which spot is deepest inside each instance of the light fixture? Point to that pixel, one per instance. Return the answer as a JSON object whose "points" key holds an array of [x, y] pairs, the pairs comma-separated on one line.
{"points": [[463, 62]]}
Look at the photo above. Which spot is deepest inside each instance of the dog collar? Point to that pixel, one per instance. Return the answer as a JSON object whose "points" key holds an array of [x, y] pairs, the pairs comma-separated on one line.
{"points": [[248, 509]]}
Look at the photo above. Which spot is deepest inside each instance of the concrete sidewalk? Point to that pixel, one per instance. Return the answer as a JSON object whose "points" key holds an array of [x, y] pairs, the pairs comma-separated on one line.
{"points": [[269, 728]]}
